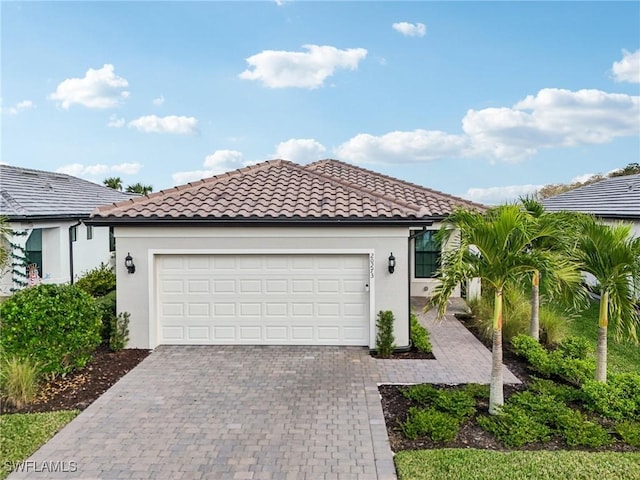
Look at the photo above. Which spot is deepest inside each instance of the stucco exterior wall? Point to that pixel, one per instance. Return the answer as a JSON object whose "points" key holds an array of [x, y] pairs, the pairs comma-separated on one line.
{"points": [[87, 254], [137, 292]]}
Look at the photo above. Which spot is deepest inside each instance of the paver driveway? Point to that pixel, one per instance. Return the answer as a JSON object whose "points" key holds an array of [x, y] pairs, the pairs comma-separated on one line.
{"points": [[236, 412]]}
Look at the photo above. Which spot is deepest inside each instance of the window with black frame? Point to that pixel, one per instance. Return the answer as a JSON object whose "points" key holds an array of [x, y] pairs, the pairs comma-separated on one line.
{"points": [[427, 254]]}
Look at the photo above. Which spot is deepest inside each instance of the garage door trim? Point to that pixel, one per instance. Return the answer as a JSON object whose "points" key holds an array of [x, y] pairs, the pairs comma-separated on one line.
{"points": [[154, 318]]}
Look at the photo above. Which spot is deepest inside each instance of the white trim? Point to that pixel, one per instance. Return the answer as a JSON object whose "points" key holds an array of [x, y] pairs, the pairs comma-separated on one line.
{"points": [[153, 287]]}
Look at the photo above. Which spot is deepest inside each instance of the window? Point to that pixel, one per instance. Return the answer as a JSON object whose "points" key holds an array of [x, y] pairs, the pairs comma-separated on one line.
{"points": [[89, 232], [74, 234], [33, 249], [427, 254], [112, 240]]}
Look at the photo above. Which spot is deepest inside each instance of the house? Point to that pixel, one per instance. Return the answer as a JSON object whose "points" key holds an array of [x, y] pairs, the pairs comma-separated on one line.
{"points": [[612, 200], [276, 253], [46, 212]]}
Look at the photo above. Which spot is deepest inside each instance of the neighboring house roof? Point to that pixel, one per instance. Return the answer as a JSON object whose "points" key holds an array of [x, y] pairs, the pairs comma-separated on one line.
{"points": [[615, 197], [276, 191], [27, 194]]}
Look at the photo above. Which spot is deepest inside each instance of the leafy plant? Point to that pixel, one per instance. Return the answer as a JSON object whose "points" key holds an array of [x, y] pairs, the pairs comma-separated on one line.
{"points": [[119, 331], [578, 431], [439, 426], [618, 399], [477, 390], [419, 335], [98, 281], [576, 347], [19, 381], [385, 340], [107, 307], [554, 325], [514, 427], [423, 394], [57, 326], [563, 393], [458, 403], [630, 432]]}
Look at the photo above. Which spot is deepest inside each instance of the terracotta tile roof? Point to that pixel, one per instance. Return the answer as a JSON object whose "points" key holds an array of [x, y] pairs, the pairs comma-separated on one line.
{"points": [[436, 203], [279, 190]]}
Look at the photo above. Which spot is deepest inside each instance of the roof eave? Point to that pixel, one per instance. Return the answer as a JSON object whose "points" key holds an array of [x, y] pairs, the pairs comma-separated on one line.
{"points": [[45, 217], [262, 222]]}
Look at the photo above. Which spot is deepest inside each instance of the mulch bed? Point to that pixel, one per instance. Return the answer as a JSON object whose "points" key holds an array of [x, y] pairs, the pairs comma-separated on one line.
{"points": [[412, 354], [79, 389]]}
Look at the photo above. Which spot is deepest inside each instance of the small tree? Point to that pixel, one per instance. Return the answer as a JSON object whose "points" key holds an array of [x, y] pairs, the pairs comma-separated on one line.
{"points": [[113, 182], [385, 340], [612, 256], [140, 188]]}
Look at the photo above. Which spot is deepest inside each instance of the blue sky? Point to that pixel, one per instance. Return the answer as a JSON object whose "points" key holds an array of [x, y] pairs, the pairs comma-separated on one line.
{"points": [[485, 100]]}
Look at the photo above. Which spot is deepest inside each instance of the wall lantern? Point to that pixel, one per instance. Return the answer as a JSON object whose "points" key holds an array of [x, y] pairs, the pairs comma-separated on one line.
{"points": [[392, 263], [128, 262]]}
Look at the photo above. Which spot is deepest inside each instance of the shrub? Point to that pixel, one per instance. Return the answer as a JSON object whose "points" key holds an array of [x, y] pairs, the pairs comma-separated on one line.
{"points": [[119, 331], [439, 426], [618, 399], [385, 340], [107, 307], [534, 353], [578, 348], [98, 281], [419, 335], [19, 381], [630, 433], [477, 390], [514, 427], [57, 326], [564, 393], [423, 394], [458, 403], [577, 431]]}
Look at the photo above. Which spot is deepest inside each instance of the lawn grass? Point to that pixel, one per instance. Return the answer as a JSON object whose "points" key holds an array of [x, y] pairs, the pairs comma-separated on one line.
{"points": [[472, 464], [21, 434], [621, 356]]}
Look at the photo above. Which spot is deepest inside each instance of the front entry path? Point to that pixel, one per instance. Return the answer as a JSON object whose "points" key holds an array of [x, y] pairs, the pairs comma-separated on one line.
{"points": [[250, 412]]}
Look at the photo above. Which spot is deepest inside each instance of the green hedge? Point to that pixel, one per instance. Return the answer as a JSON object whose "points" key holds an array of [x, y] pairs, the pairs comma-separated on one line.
{"points": [[57, 326]]}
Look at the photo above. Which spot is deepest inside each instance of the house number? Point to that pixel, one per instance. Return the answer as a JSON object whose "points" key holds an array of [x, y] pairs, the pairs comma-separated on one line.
{"points": [[372, 264]]}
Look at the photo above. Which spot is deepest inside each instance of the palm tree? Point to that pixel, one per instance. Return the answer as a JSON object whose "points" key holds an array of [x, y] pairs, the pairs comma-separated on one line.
{"points": [[612, 256], [140, 188], [562, 229], [113, 182], [495, 247]]}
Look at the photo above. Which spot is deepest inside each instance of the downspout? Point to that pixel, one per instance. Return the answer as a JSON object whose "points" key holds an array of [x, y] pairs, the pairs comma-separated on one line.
{"points": [[71, 250]]}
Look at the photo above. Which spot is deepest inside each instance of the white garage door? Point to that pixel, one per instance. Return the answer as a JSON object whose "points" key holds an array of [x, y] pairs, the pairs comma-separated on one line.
{"points": [[263, 299]]}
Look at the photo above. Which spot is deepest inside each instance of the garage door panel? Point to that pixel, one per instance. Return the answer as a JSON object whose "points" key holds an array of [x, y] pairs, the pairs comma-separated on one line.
{"points": [[263, 299]]}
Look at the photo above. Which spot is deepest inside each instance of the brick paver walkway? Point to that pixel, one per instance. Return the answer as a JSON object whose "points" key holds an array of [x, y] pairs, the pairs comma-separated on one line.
{"points": [[240, 412]]}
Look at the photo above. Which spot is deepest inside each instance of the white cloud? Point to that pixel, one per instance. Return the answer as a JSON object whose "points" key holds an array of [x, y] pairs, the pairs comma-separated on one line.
{"points": [[402, 147], [497, 195], [300, 150], [18, 107], [97, 89], [582, 178], [100, 169], [552, 118], [159, 101], [222, 161], [218, 162], [280, 69], [410, 29], [627, 69], [116, 122], [169, 124]]}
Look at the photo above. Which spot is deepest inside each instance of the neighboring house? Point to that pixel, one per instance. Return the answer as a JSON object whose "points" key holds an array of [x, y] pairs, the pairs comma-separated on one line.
{"points": [[46, 211], [276, 253], [612, 200]]}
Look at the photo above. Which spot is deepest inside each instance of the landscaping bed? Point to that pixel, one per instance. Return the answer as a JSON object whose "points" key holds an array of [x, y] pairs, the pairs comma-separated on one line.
{"points": [[78, 389]]}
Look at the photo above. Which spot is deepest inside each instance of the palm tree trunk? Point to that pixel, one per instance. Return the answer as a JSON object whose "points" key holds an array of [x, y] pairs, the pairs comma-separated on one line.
{"points": [[601, 350], [496, 393], [534, 325]]}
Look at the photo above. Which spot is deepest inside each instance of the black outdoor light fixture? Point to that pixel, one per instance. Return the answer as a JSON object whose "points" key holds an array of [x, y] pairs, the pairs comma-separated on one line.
{"points": [[128, 262], [392, 263]]}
